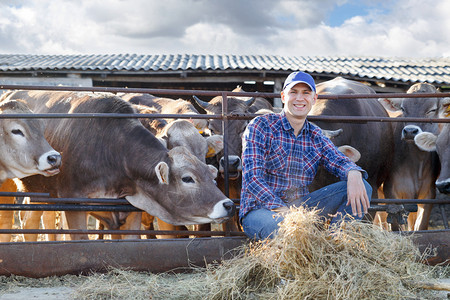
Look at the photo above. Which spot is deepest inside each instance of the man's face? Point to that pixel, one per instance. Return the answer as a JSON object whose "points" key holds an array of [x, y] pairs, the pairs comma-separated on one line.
{"points": [[298, 101]]}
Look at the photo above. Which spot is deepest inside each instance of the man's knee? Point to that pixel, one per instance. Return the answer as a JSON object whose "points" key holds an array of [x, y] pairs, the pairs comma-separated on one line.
{"points": [[261, 224]]}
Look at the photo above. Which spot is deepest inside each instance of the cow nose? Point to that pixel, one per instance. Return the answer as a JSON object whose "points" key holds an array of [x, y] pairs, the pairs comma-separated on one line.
{"points": [[229, 207], [234, 163], [443, 187], [410, 131], [54, 160]]}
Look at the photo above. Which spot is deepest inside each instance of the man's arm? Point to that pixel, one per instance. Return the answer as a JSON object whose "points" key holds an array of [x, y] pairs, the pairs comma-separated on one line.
{"points": [[253, 160]]}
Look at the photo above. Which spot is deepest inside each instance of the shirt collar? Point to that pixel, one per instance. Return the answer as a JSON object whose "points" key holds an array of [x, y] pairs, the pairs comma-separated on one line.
{"points": [[287, 126]]}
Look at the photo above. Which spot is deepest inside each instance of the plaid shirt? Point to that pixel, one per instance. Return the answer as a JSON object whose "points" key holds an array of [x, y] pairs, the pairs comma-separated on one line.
{"points": [[278, 166]]}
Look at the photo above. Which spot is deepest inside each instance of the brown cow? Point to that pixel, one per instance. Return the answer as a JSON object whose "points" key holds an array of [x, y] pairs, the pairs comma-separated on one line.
{"points": [[23, 147], [118, 157], [166, 106], [155, 126], [373, 140], [414, 171], [24, 151], [428, 141], [237, 106], [183, 133], [6, 216]]}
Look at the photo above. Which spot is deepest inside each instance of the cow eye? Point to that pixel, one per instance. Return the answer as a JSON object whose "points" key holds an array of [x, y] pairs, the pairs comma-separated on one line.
{"points": [[431, 111], [17, 132], [187, 179]]}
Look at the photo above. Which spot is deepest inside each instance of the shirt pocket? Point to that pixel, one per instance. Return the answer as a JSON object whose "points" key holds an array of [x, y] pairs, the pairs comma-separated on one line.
{"points": [[276, 159], [311, 162]]}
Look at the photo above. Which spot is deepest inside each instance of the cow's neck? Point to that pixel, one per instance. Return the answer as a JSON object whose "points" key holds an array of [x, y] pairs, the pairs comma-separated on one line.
{"points": [[422, 168], [147, 152]]}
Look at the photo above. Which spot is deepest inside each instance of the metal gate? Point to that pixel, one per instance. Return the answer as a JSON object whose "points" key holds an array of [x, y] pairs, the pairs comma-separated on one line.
{"points": [[213, 244]]}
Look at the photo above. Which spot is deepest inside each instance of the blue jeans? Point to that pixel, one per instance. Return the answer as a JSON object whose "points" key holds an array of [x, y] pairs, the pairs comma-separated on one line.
{"points": [[331, 201]]}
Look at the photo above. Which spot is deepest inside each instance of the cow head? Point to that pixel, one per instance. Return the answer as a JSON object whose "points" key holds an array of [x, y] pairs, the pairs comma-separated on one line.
{"points": [[236, 106], [415, 107], [155, 126], [235, 128], [440, 143], [428, 141], [185, 191], [166, 106], [24, 149], [184, 133]]}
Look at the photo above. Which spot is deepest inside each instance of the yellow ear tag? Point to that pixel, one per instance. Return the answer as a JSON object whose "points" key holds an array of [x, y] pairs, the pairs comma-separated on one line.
{"points": [[211, 152]]}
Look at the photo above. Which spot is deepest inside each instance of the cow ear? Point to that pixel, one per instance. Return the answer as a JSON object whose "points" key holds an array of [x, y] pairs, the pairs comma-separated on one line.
{"points": [[392, 105], [162, 171], [215, 145], [213, 170], [426, 141], [350, 152]]}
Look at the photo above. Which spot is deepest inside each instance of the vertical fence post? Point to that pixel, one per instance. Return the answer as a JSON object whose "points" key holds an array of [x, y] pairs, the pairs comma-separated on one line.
{"points": [[225, 141]]}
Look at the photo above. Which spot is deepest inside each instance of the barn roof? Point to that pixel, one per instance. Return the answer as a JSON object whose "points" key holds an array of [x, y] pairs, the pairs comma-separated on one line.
{"points": [[432, 70]]}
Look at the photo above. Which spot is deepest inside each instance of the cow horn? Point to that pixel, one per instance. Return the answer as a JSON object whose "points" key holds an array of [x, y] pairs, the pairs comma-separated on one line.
{"points": [[202, 103], [250, 101], [332, 133]]}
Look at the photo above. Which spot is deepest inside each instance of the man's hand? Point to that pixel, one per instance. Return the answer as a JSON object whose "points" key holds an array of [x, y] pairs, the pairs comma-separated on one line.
{"points": [[356, 193]]}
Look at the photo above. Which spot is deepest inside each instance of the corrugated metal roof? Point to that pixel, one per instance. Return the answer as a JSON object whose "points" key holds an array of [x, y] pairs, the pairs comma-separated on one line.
{"points": [[432, 70]]}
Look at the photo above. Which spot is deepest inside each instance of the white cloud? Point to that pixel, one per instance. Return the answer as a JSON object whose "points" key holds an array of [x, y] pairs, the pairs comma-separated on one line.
{"points": [[287, 27]]}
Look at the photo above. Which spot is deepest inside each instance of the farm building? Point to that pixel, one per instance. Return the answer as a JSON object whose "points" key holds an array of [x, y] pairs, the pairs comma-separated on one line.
{"points": [[262, 73]]}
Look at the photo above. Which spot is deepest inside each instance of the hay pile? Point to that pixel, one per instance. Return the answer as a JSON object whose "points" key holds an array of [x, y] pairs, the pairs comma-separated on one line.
{"points": [[356, 261]]}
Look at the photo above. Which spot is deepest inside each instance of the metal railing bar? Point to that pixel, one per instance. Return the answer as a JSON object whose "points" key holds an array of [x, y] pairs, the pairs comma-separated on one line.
{"points": [[444, 216], [397, 201], [115, 90], [344, 119], [412, 201], [23, 194], [121, 205], [71, 207], [407, 207], [81, 200], [125, 232], [43, 197]]}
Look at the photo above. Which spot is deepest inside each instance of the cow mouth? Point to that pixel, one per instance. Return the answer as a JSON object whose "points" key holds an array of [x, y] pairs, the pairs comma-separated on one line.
{"points": [[232, 175], [51, 171]]}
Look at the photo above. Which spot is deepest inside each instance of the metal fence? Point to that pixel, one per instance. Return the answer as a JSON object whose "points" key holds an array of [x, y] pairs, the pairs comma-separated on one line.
{"points": [[43, 202]]}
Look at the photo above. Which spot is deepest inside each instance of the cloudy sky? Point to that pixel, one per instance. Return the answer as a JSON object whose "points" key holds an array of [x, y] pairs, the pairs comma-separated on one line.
{"points": [[400, 28]]}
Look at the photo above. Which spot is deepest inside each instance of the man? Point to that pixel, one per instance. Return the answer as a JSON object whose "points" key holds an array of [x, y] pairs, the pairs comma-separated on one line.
{"points": [[281, 154]]}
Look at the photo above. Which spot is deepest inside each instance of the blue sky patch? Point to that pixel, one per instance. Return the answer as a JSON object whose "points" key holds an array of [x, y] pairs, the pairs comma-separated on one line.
{"points": [[354, 8]]}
